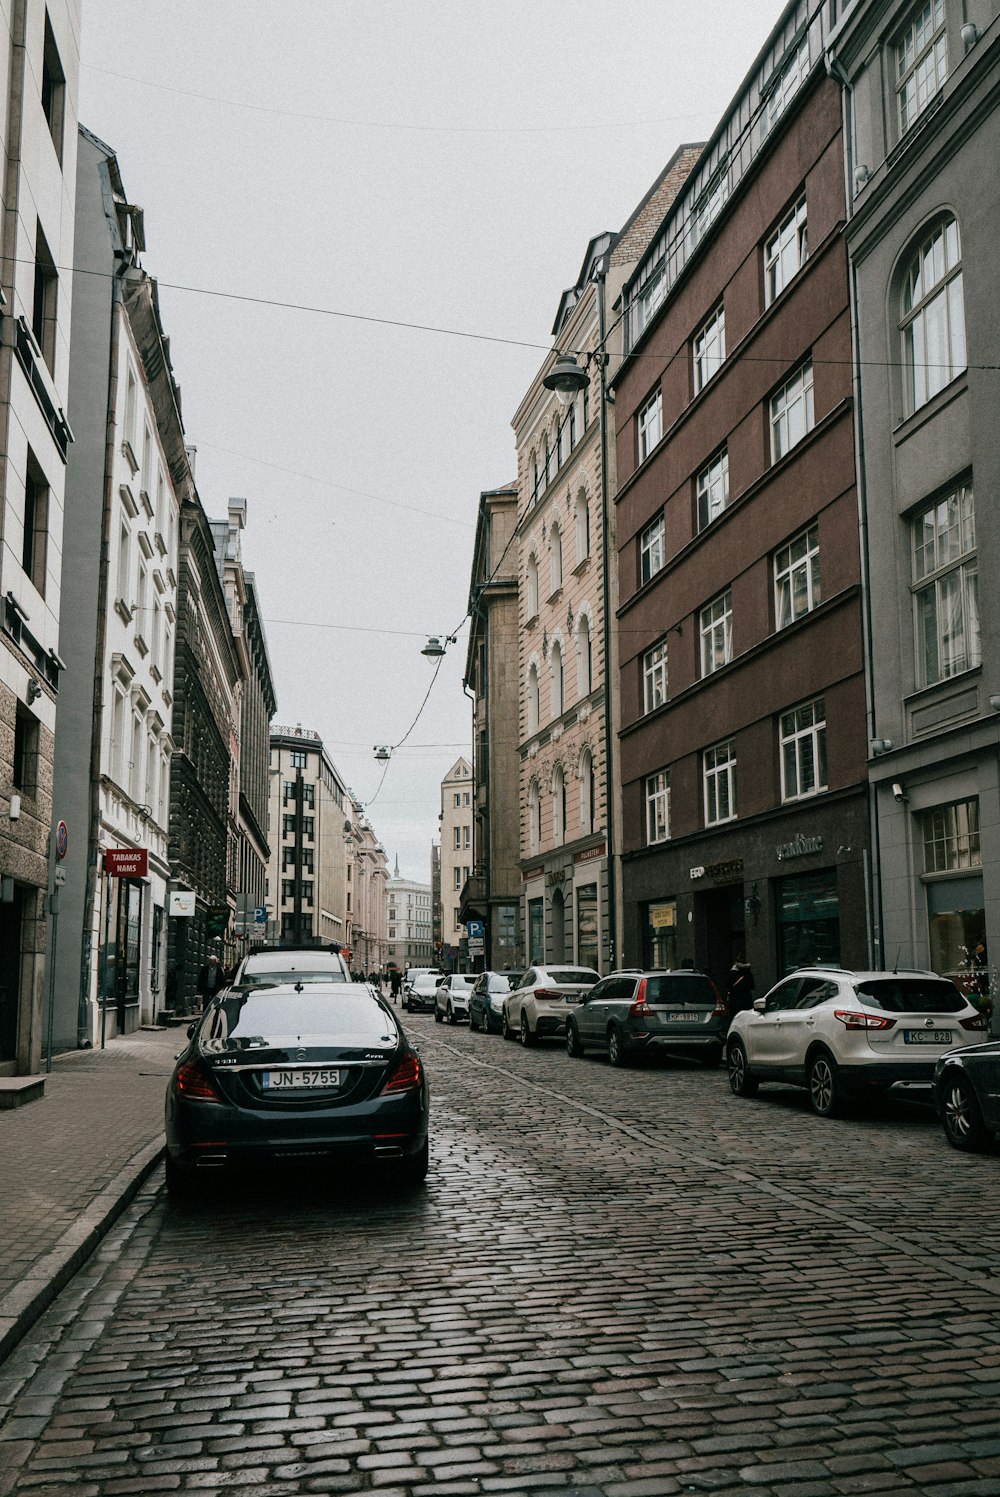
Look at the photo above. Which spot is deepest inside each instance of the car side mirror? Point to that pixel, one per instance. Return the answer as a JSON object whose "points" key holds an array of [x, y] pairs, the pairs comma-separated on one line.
{"points": [[190, 1030], [760, 1005]]}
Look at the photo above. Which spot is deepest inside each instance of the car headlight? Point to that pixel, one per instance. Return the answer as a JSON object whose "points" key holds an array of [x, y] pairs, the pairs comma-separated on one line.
{"points": [[496, 1004]]}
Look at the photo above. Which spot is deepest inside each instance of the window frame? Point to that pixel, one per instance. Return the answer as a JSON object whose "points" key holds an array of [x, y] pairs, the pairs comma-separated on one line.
{"points": [[712, 618], [655, 675], [783, 401], [652, 547], [708, 348], [792, 233], [649, 424], [705, 484], [935, 48], [715, 769], [944, 298], [657, 802], [964, 564], [810, 560], [793, 736]]}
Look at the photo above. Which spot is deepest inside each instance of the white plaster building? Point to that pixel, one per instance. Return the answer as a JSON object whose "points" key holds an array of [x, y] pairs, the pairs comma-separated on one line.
{"points": [[409, 922], [456, 858]]}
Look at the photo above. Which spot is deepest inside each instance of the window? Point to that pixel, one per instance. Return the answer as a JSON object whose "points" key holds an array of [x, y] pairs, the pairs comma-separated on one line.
{"points": [[652, 549], [147, 457], [458, 837], [128, 435], [921, 55], [555, 558], [796, 578], [124, 565], [548, 460], [309, 796], [709, 205], [785, 86], [709, 348], [458, 797], [534, 817], [34, 545], [712, 488], [717, 633], [135, 763], [288, 888], [588, 793], [297, 758], [803, 750], [308, 856], [154, 634], [288, 826], [53, 89], [654, 677], [571, 425], [533, 467], [45, 302], [559, 804], [658, 806], [951, 837], [650, 297], [558, 684], [466, 836], [792, 412], [946, 587], [458, 878], [533, 699], [458, 923], [582, 528], [308, 827], [25, 767], [650, 424], [140, 601], [288, 857], [785, 252], [932, 321], [719, 765], [117, 737], [584, 657]]}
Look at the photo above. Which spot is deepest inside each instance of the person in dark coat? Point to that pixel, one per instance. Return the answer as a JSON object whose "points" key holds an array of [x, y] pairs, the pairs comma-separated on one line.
{"points": [[740, 987], [211, 979]]}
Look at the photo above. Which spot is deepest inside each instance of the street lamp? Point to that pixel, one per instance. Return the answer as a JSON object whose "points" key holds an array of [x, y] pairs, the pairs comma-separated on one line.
{"points": [[566, 379], [436, 646]]}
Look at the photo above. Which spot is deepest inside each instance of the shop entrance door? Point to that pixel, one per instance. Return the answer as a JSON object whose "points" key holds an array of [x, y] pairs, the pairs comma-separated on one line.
{"points": [[127, 956], [10, 973], [558, 926], [721, 933]]}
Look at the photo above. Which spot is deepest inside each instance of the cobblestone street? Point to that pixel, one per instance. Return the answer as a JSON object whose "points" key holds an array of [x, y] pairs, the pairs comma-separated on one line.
{"points": [[616, 1283]]}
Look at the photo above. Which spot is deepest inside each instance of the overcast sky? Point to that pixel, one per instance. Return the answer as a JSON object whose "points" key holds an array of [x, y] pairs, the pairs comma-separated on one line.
{"points": [[440, 162]]}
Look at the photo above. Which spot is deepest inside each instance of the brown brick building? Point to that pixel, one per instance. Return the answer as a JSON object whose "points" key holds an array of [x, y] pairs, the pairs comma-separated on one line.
{"points": [[743, 739]]}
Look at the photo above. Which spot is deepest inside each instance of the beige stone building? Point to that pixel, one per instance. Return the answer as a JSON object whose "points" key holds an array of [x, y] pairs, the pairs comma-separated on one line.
{"points": [[309, 829], [493, 892], [456, 860], [367, 878], [409, 922]]}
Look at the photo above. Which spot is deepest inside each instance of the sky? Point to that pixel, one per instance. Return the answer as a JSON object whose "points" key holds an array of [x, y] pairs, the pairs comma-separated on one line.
{"points": [[317, 173]]}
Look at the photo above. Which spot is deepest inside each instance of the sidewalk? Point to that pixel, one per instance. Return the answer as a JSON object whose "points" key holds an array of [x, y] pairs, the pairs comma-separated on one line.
{"points": [[70, 1162]]}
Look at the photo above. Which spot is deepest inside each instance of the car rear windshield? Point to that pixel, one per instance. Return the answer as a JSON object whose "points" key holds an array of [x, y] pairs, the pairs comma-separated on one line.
{"points": [[572, 974], [912, 995], [268, 979], [279, 1017], [278, 964], [691, 988]]}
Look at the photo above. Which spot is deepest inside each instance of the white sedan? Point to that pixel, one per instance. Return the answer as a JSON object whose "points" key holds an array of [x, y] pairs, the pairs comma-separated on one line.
{"points": [[541, 1003], [840, 1033]]}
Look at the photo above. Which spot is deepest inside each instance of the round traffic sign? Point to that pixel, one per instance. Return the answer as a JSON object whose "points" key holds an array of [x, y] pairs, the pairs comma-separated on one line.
{"points": [[62, 840]]}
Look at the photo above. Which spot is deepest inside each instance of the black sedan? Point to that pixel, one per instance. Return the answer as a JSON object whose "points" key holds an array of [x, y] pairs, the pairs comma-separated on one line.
{"points": [[318, 1073], [967, 1094]]}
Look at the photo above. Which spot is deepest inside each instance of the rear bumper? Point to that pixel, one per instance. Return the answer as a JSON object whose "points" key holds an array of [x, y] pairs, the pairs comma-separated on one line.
{"points": [[688, 1044], [553, 1023], [888, 1073], [211, 1134]]}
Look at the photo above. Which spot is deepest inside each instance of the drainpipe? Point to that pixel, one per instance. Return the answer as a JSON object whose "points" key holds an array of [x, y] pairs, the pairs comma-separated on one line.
{"points": [[121, 270], [609, 745], [872, 873]]}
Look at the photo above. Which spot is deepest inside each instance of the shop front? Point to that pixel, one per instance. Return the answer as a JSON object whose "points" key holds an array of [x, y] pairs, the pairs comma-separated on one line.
{"points": [[565, 909]]}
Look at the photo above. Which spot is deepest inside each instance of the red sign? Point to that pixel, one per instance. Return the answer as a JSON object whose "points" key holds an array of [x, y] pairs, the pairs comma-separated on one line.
{"points": [[126, 862]]}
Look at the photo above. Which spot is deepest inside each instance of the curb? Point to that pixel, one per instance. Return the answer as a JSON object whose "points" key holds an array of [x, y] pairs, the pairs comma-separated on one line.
{"points": [[21, 1306]]}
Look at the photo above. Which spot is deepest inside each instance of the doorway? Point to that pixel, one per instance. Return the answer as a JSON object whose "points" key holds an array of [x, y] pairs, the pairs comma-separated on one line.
{"points": [[721, 931], [558, 909], [11, 920]]}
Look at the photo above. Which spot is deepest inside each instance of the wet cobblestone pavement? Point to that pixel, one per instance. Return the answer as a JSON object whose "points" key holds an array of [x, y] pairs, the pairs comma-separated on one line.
{"points": [[616, 1283]]}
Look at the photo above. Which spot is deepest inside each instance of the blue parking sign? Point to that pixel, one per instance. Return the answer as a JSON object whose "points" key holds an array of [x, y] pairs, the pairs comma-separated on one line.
{"points": [[475, 929]]}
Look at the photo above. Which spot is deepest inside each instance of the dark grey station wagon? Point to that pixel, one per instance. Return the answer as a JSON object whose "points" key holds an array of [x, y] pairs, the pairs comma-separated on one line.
{"points": [[632, 1013]]}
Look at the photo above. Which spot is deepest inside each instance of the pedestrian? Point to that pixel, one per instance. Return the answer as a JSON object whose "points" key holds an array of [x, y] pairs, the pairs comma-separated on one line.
{"points": [[395, 984], [740, 987], [211, 979]]}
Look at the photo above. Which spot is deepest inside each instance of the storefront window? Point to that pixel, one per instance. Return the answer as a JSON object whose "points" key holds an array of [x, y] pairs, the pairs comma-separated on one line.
{"points": [[956, 918], [659, 938], [588, 946], [808, 920]]}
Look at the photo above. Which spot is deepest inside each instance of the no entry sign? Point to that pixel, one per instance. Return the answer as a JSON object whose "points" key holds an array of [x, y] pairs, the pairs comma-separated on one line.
{"points": [[126, 862]]}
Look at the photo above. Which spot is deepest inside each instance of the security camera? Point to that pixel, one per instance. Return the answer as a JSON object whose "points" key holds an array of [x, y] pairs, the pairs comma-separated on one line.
{"points": [[897, 790]]}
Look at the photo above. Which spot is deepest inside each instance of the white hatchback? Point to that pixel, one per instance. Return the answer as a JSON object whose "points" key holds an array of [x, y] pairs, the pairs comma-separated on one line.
{"points": [[840, 1033]]}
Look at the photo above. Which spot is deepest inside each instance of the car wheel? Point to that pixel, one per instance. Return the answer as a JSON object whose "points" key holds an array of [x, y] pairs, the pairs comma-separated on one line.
{"points": [[825, 1090], [505, 1028], [574, 1049], [484, 1023], [414, 1171], [741, 1083], [527, 1038], [617, 1053], [181, 1182], [451, 1015], [438, 1015], [961, 1116]]}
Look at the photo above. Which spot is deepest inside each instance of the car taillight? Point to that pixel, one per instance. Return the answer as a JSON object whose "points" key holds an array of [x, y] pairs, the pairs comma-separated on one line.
{"points": [[721, 1009], [548, 993], [974, 1021], [639, 1008], [194, 1084], [406, 1077], [857, 1019]]}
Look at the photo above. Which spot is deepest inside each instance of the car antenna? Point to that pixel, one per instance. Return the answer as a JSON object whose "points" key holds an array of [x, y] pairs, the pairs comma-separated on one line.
{"points": [[895, 968], [300, 987]]}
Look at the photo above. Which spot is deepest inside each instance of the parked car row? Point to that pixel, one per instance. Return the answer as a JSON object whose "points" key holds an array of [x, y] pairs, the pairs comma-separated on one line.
{"points": [[840, 1035]]}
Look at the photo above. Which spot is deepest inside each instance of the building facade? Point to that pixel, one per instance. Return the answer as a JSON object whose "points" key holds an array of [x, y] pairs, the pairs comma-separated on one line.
{"points": [[310, 879], [368, 875], [493, 892], [127, 475], [923, 128], [743, 736], [39, 72], [249, 850], [408, 917], [455, 821]]}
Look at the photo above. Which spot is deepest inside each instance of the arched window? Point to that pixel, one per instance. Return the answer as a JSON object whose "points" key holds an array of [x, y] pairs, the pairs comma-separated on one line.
{"points": [[582, 527], [559, 804], [548, 463], [533, 469], [555, 557], [932, 315], [584, 657], [534, 699], [534, 817], [588, 787], [532, 586], [558, 684]]}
